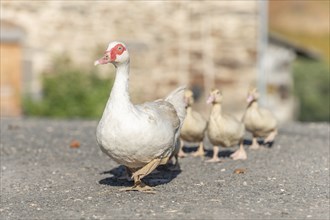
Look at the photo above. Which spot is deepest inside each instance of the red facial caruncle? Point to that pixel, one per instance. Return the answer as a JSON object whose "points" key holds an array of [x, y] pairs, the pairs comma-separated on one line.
{"points": [[116, 50]]}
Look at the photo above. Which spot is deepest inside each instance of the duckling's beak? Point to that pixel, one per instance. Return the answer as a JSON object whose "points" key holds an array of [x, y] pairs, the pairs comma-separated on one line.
{"points": [[186, 100], [249, 98], [210, 99]]}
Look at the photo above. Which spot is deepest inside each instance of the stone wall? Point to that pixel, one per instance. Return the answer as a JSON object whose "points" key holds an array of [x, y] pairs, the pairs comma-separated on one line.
{"points": [[203, 44]]}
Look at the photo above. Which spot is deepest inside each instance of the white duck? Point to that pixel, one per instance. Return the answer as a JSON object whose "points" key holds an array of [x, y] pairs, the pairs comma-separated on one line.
{"points": [[224, 129], [194, 126], [259, 121], [140, 137]]}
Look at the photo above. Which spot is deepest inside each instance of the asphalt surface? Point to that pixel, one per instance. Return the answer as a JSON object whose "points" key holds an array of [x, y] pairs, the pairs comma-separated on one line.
{"points": [[42, 177]]}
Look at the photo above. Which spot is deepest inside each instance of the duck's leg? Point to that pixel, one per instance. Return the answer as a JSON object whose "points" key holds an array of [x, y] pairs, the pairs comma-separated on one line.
{"points": [[181, 153], [239, 154], [139, 174], [200, 151], [255, 144], [215, 157], [176, 166], [270, 137]]}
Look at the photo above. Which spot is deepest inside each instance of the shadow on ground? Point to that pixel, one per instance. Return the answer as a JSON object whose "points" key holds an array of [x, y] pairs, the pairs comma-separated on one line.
{"points": [[162, 175], [248, 142]]}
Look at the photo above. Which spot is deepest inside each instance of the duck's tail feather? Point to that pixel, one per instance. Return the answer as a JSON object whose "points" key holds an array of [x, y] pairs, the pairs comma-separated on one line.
{"points": [[176, 98]]}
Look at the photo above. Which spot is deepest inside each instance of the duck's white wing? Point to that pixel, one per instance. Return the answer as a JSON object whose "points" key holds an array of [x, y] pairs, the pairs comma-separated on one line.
{"points": [[160, 111], [171, 109], [176, 98]]}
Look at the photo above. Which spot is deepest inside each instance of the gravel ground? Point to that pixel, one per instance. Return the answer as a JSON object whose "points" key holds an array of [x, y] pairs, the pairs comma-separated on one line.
{"points": [[42, 177]]}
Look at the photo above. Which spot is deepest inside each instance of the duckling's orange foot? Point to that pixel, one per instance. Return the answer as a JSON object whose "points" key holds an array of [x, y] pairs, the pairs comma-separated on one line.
{"points": [[200, 151], [182, 154], [270, 138], [213, 160], [239, 155], [255, 146], [198, 154]]}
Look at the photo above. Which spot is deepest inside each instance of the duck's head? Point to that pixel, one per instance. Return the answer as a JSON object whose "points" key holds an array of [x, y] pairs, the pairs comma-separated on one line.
{"points": [[116, 54], [253, 95], [189, 97], [214, 97]]}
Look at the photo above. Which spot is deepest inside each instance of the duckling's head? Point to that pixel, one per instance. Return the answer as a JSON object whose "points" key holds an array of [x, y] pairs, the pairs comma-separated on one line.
{"points": [[214, 97], [189, 97], [253, 95]]}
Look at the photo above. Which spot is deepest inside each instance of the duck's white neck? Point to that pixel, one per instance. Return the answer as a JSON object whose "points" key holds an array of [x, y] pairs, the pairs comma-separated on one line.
{"points": [[119, 97]]}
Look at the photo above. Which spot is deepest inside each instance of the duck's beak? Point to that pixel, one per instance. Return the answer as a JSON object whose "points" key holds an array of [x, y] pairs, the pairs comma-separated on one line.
{"points": [[96, 63], [104, 60]]}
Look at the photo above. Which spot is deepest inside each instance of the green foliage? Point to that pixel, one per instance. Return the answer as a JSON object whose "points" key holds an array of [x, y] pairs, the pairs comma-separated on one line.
{"points": [[313, 89], [70, 92]]}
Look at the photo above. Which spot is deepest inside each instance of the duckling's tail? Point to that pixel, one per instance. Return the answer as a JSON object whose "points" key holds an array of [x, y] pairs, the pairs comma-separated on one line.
{"points": [[176, 98]]}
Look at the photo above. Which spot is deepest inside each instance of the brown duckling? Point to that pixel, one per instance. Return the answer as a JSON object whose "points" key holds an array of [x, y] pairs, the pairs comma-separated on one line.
{"points": [[260, 122], [194, 126], [224, 129]]}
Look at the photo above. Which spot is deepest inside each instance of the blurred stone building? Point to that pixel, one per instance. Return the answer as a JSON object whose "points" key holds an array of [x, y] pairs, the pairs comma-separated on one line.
{"points": [[202, 44], [11, 69]]}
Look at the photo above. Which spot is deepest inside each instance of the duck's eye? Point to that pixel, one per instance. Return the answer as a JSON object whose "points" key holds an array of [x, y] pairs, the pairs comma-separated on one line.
{"points": [[120, 48]]}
